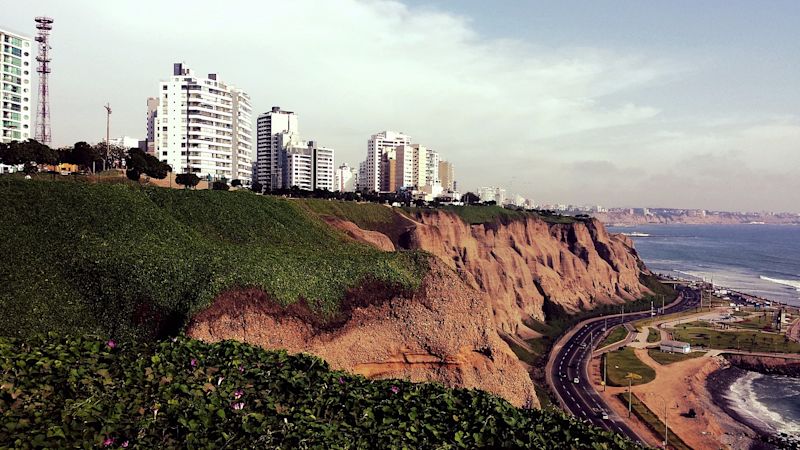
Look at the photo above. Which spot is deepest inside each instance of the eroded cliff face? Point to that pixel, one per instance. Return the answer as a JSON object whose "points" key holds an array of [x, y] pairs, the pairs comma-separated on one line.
{"points": [[521, 263], [444, 332]]}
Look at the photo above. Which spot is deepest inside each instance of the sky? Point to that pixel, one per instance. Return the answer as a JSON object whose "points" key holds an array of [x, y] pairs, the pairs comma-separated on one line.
{"points": [[679, 104]]}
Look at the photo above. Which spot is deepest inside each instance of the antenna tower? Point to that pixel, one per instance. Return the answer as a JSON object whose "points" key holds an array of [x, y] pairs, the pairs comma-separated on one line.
{"points": [[44, 25]]}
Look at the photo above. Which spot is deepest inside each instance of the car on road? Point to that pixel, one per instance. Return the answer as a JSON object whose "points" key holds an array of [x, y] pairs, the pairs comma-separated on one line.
{"points": [[602, 414], [576, 380]]}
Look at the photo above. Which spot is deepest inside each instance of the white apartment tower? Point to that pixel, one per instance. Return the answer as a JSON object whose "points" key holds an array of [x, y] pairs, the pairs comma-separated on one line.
{"points": [[306, 165], [370, 178], [16, 87], [269, 126], [432, 169], [346, 178], [219, 129]]}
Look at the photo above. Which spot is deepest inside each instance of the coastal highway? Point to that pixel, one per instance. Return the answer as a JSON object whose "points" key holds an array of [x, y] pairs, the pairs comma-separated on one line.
{"points": [[570, 358]]}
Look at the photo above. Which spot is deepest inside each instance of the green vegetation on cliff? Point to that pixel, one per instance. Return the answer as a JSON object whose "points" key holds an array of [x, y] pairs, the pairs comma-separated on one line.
{"points": [[138, 262], [88, 392]]}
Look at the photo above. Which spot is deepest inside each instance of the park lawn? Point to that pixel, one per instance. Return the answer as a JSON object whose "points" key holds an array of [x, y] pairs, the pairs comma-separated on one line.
{"points": [[753, 341], [758, 322], [666, 358], [617, 334], [653, 335], [652, 421], [623, 361]]}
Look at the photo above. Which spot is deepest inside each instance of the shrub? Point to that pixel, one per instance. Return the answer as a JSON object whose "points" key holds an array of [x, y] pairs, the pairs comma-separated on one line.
{"points": [[90, 392], [187, 179], [220, 186]]}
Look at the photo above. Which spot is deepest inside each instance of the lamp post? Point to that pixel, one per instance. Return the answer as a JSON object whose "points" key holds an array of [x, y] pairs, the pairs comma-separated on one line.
{"points": [[108, 132], [631, 376], [666, 419]]}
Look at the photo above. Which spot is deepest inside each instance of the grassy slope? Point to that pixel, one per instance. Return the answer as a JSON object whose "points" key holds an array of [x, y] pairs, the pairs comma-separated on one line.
{"points": [[753, 341], [99, 258], [479, 214]]}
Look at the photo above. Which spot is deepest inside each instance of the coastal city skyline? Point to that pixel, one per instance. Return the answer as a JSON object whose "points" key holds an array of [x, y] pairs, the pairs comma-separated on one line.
{"points": [[577, 102]]}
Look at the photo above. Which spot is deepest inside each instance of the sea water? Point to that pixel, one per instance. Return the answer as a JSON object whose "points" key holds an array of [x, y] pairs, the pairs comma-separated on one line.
{"points": [[771, 401], [762, 260]]}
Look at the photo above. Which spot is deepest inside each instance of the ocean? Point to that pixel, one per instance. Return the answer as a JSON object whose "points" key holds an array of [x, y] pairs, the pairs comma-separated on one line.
{"points": [[762, 260]]}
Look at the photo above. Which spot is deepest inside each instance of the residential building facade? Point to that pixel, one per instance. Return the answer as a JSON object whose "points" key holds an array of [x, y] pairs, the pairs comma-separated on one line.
{"points": [[488, 194], [446, 175], [149, 145], [269, 128], [16, 84], [210, 119], [370, 173], [346, 178]]}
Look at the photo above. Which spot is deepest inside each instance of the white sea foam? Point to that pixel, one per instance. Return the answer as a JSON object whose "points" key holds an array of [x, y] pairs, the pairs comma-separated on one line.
{"points": [[792, 283], [744, 397]]}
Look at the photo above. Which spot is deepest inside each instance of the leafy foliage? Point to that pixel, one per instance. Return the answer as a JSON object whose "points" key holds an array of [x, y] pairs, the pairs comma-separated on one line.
{"points": [[181, 393], [26, 152], [187, 179], [139, 162], [138, 262], [220, 186]]}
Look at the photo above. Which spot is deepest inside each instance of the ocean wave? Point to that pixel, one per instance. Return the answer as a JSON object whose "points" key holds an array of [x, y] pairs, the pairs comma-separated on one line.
{"points": [[749, 395], [791, 283]]}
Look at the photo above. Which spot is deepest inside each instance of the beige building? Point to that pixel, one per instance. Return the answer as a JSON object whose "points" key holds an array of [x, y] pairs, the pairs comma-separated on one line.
{"points": [[446, 175]]}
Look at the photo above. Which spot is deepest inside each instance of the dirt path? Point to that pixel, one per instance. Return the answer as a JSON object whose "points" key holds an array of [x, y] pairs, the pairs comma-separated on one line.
{"points": [[682, 386]]}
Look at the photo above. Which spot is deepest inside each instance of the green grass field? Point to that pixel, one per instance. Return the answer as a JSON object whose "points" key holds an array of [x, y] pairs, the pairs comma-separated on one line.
{"points": [[666, 358], [753, 341], [480, 214], [653, 335], [131, 262], [623, 361], [617, 334]]}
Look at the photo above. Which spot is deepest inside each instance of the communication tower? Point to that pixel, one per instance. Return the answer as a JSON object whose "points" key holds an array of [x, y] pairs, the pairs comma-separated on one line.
{"points": [[44, 25]]}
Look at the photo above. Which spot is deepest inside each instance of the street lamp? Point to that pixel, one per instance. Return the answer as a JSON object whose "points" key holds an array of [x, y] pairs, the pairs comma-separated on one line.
{"points": [[631, 376], [666, 419]]}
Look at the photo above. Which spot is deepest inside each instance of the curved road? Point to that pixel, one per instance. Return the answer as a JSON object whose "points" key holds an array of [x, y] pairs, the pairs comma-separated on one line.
{"points": [[570, 358]]}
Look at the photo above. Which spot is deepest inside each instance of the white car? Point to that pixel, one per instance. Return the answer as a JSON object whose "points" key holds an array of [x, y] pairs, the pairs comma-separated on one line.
{"points": [[576, 380]]}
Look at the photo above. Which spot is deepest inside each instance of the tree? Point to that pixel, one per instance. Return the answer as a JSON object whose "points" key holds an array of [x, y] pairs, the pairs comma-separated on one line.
{"points": [[29, 152], [83, 155], [257, 187], [470, 198], [188, 180], [113, 155], [220, 186], [236, 183], [139, 162]]}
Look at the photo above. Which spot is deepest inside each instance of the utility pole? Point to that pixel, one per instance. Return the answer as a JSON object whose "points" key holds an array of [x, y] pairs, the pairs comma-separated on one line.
{"points": [[108, 132], [630, 395], [605, 371]]}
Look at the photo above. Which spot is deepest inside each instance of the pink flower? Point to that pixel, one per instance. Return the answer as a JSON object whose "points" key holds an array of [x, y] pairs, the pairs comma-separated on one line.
{"points": [[124, 444], [238, 394], [241, 368], [111, 344], [108, 442], [341, 380], [237, 406], [193, 362], [395, 389]]}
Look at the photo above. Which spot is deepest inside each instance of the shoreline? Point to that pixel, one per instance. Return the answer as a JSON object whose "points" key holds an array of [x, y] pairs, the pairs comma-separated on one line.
{"points": [[718, 384]]}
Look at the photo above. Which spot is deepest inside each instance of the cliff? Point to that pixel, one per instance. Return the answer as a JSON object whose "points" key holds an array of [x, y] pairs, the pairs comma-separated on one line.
{"points": [[522, 263], [443, 332]]}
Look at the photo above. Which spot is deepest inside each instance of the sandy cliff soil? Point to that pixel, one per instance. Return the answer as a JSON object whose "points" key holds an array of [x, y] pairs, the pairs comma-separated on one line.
{"points": [[444, 333], [524, 262]]}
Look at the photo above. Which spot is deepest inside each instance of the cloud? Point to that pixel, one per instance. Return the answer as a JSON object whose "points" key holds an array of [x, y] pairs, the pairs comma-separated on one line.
{"points": [[505, 111]]}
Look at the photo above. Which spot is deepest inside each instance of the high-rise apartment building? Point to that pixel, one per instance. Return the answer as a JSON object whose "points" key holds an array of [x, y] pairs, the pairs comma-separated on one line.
{"points": [[16, 87], [432, 168], [150, 138], [208, 118], [346, 178], [488, 194], [269, 127], [305, 165], [446, 175], [370, 173]]}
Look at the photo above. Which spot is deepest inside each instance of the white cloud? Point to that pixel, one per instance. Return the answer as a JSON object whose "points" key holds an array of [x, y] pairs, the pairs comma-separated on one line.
{"points": [[499, 108]]}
